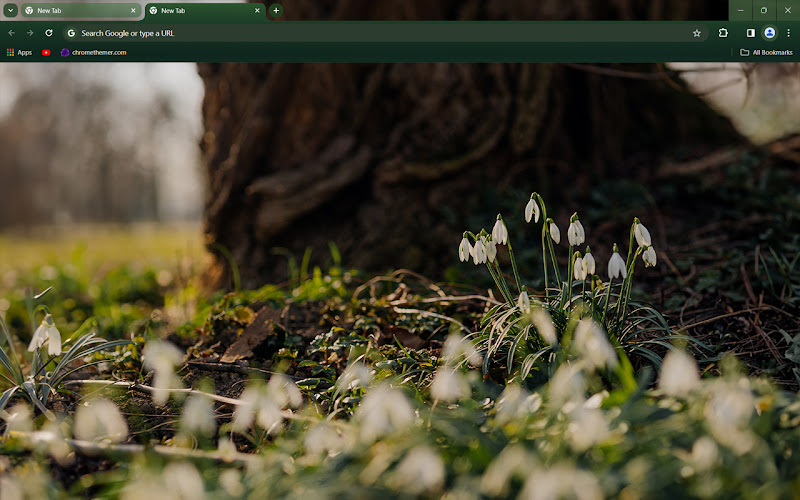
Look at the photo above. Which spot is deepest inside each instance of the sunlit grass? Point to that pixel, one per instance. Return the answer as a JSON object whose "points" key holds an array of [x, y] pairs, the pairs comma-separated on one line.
{"points": [[100, 246]]}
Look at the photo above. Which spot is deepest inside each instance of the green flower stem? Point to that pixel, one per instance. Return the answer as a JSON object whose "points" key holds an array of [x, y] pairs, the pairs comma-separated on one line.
{"points": [[565, 301], [501, 284], [543, 214], [514, 266], [630, 248], [553, 258], [605, 308], [629, 282]]}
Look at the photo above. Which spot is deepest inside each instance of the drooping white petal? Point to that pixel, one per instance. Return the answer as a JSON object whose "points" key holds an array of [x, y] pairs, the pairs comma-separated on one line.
{"points": [[532, 211], [649, 257], [382, 411], [575, 233], [592, 344], [491, 250], [464, 250], [449, 385], [100, 420], [642, 235], [544, 324], [500, 233], [39, 336], [616, 267], [480, 251], [421, 471], [555, 233], [588, 260], [524, 302], [54, 344], [579, 269], [679, 374]]}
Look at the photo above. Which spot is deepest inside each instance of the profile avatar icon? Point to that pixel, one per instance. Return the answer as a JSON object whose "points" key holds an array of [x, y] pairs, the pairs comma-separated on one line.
{"points": [[64, 52], [770, 32]]}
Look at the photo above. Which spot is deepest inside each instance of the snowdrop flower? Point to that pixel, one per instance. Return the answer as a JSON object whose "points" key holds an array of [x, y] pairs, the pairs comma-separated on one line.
{"points": [[456, 347], [47, 330], [568, 384], [500, 232], [544, 324], [649, 257], [575, 233], [100, 420], [524, 302], [382, 411], [355, 375], [561, 481], [515, 403], [162, 357], [464, 249], [532, 211], [555, 234], [284, 392], [324, 438], [198, 416], [592, 344], [421, 471], [491, 250], [678, 374], [589, 262], [18, 419], [641, 233], [182, 479], [257, 404], [579, 269], [587, 427], [479, 251], [449, 385], [616, 266]]}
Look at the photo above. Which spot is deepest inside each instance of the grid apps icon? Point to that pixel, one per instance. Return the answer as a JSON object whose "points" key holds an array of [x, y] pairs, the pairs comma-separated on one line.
{"points": [[9, 52]]}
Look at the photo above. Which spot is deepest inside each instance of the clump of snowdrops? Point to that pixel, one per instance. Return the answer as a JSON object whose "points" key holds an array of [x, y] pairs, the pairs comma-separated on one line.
{"points": [[533, 332]]}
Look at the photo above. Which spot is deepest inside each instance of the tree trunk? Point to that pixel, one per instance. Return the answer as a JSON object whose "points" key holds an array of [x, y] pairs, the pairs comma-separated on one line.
{"points": [[385, 160]]}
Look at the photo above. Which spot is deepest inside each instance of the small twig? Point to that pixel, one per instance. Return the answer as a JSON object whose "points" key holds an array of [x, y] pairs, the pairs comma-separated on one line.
{"points": [[93, 449], [448, 298], [770, 344]]}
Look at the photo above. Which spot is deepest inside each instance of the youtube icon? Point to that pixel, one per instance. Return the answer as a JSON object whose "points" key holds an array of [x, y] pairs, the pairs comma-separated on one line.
{"points": [[45, 52]]}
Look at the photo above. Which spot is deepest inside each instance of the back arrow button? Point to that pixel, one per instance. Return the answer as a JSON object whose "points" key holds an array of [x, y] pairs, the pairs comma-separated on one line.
{"points": [[10, 32]]}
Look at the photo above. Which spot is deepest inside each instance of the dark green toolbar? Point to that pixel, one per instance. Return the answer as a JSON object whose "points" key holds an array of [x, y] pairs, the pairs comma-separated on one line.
{"points": [[259, 33]]}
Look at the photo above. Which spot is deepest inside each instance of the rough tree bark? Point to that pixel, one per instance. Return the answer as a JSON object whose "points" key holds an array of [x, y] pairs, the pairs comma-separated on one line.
{"points": [[384, 159]]}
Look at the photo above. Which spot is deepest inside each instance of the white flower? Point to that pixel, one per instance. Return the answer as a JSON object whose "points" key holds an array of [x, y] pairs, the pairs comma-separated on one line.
{"points": [[616, 266], [555, 234], [384, 410], [524, 302], [649, 257], [568, 384], [324, 438], [588, 260], [561, 481], [641, 233], [184, 481], [491, 250], [421, 471], [47, 330], [464, 250], [101, 420], [162, 357], [284, 392], [579, 269], [479, 251], [592, 344], [678, 374], [587, 427], [456, 347], [449, 385], [544, 324], [355, 375], [575, 233], [516, 403], [532, 211], [198, 416], [500, 232]]}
